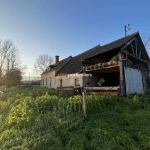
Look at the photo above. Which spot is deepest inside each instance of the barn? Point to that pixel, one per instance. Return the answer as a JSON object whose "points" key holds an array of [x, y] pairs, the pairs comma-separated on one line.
{"points": [[117, 68]]}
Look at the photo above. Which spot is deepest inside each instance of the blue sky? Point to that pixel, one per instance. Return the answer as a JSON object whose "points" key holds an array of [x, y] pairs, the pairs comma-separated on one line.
{"points": [[68, 27]]}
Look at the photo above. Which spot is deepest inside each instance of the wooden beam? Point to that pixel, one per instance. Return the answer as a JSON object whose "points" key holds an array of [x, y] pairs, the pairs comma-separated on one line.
{"points": [[84, 102], [140, 54], [104, 68], [132, 49], [137, 58], [113, 93], [111, 88], [141, 48], [122, 48], [122, 78], [136, 48]]}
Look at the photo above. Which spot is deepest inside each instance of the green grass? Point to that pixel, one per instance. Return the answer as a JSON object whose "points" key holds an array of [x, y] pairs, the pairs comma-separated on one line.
{"points": [[51, 122]]}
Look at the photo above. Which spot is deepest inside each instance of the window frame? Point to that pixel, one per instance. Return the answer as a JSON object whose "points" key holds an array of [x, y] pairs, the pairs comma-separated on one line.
{"points": [[77, 82]]}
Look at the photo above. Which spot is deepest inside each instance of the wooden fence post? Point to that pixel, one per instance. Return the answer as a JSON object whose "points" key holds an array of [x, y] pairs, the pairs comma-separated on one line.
{"points": [[84, 102]]}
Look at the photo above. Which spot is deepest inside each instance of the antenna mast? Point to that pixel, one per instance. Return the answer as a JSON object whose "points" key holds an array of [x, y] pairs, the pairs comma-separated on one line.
{"points": [[126, 28]]}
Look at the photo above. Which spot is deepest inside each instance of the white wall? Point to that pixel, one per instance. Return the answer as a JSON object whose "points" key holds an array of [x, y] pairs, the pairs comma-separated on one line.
{"points": [[84, 80], [91, 80], [68, 80], [47, 76]]}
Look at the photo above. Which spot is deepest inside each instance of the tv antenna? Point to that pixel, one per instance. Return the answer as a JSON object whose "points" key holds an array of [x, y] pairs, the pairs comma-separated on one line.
{"points": [[126, 29]]}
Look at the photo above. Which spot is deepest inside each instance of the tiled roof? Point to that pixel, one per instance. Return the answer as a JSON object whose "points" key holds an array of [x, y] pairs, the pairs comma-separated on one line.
{"points": [[58, 63], [113, 45], [55, 65], [74, 65]]}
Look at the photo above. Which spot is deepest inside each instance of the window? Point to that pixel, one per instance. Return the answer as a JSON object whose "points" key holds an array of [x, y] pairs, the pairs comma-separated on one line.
{"points": [[60, 82], [77, 82], [46, 81], [50, 81]]}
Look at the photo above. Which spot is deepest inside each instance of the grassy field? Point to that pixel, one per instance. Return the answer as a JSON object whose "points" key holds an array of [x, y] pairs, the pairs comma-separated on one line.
{"points": [[39, 120]]}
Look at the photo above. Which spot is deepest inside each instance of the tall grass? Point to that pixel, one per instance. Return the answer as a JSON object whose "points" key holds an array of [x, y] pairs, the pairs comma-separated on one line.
{"points": [[53, 122]]}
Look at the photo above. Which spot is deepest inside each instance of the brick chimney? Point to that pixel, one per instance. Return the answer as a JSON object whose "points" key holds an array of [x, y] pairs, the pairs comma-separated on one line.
{"points": [[56, 59]]}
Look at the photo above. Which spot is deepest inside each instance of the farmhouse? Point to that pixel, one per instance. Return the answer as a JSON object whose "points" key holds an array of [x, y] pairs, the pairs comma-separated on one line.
{"points": [[118, 68]]}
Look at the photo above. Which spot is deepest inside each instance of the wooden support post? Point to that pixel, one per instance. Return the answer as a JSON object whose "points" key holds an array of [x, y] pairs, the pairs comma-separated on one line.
{"points": [[140, 54], [122, 78], [84, 102], [132, 49], [136, 48]]}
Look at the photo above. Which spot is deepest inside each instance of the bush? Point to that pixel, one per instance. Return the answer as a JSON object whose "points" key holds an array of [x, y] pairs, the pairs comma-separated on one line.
{"points": [[54, 122]]}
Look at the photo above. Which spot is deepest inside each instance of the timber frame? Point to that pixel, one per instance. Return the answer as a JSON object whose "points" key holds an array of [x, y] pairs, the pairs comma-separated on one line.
{"points": [[137, 58], [111, 63], [136, 50]]}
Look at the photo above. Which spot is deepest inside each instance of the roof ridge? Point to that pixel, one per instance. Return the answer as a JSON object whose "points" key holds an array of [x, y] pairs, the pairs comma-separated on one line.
{"points": [[122, 38], [74, 64], [60, 61]]}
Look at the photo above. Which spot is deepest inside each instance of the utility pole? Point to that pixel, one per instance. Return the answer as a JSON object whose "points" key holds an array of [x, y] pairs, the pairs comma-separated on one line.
{"points": [[29, 77], [125, 30]]}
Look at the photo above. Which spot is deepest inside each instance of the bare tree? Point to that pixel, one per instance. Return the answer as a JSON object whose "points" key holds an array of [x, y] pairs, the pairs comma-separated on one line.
{"points": [[146, 41], [3, 52], [9, 60], [42, 62]]}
